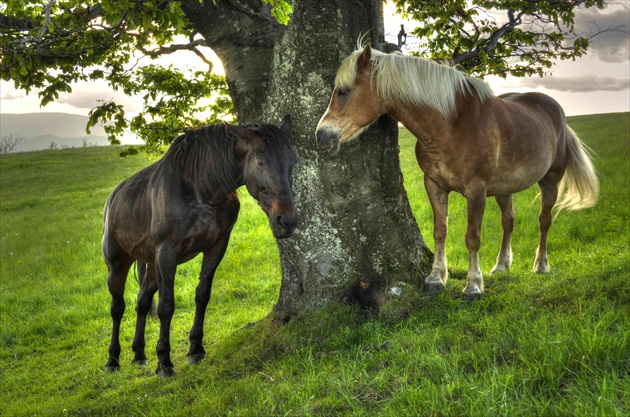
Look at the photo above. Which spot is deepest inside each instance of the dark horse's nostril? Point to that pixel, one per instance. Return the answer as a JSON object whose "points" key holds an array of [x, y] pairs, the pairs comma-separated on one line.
{"points": [[280, 220]]}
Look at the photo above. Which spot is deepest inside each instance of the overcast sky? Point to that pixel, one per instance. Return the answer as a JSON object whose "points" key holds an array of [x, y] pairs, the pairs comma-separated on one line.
{"points": [[596, 83]]}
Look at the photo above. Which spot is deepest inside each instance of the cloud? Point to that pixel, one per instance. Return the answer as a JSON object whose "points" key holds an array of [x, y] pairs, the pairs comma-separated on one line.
{"points": [[9, 92], [12, 96], [578, 84], [612, 45], [86, 97]]}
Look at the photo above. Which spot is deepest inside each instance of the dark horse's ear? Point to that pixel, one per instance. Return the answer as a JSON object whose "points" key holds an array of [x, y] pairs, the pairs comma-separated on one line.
{"points": [[363, 62], [285, 124], [243, 133]]}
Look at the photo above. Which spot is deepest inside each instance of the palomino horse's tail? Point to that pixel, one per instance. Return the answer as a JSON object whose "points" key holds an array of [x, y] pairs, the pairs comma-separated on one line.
{"points": [[579, 188]]}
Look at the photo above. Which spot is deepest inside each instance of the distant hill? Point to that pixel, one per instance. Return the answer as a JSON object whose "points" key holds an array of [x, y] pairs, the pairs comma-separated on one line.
{"points": [[52, 130]]}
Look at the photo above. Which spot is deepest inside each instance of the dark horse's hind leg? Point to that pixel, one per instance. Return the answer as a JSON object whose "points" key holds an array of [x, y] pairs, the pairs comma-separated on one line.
{"points": [[148, 287], [166, 266], [211, 260], [118, 264], [548, 196]]}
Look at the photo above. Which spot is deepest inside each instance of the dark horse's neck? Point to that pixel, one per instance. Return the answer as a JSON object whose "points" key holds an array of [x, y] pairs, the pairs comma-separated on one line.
{"points": [[206, 162]]}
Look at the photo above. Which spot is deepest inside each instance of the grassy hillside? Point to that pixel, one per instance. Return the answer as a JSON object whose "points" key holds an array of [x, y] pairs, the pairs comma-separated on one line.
{"points": [[533, 345]]}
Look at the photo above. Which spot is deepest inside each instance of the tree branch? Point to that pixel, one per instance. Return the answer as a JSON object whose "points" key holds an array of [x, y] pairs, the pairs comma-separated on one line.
{"points": [[10, 22], [192, 46], [492, 41], [44, 28]]}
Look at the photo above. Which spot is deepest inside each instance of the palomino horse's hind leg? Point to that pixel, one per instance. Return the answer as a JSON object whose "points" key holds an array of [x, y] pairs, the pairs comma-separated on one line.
{"points": [[118, 265], [476, 201], [504, 260], [211, 260], [148, 288], [548, 196], [436, 280]]}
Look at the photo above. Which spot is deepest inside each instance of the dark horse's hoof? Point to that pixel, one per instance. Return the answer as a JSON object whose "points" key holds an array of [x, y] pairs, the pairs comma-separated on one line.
{"points": [[141, 362], [112, 365], [165, 371], [195, 359]]}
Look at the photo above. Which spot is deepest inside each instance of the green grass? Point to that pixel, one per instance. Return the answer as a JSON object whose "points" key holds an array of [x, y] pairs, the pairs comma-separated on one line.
{"points": [[533, 345]]}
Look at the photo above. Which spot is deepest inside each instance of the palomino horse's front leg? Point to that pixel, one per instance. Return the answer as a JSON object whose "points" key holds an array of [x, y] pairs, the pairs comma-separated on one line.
{"points": [[439, 202], [548, 196], [211, 260], [476, 206], [504, 260], [166, 266]]}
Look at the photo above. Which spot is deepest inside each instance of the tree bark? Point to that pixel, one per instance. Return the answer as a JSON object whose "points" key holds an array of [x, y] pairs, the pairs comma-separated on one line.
{"points": [[243, 34], [355, 222]]}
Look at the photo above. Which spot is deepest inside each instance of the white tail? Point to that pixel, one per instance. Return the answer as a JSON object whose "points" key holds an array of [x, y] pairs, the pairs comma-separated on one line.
{"points": [[579, 187]]}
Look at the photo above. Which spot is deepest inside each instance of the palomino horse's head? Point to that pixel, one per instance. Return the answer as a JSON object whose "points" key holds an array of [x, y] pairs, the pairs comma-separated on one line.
{"points": [[268, 160], [353, 106]]}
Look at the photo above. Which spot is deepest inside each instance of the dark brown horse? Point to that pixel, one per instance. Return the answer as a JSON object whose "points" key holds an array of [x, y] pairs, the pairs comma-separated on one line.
{"points": [[469, 141], [186, 204]]}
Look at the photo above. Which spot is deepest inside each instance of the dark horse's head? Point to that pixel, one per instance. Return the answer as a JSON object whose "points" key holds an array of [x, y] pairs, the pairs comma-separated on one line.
{"points": [[265, 152]]}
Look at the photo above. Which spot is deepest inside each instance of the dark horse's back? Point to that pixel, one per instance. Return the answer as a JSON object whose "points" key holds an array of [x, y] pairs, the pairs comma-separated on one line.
{"points": [[160, 203], [127, 217]]}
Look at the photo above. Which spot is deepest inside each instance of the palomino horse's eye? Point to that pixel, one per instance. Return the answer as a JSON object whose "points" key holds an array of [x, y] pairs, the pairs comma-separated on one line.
{"points": [[342, 92]]}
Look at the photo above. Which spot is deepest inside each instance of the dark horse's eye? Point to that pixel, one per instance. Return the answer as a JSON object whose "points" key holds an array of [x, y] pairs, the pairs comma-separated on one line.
{"points": [[342, 92]]}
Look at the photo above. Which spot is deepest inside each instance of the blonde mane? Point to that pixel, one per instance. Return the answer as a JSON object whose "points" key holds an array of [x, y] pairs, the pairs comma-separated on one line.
{"points": [[413, 80]]}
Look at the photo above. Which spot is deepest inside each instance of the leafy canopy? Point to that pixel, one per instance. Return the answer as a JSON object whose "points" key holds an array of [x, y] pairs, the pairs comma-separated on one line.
{"points": [[500, 37], [50, 44]]}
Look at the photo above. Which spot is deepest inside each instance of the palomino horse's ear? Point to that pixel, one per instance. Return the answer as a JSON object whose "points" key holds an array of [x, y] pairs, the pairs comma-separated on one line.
{"points": [[243, 133], [363, 62], [285, 125]]}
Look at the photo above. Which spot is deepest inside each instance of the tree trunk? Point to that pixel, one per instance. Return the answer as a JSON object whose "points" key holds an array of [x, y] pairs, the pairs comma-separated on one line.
{"points": [[355, 222], [355, 219]]}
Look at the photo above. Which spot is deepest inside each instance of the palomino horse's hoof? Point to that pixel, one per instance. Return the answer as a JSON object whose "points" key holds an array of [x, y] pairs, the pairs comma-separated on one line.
{"points": [[472, 293], [433, 287], [195, 359]]}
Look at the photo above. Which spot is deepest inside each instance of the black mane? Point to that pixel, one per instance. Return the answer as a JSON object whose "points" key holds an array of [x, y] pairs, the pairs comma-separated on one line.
{"points": [[205, 158]]}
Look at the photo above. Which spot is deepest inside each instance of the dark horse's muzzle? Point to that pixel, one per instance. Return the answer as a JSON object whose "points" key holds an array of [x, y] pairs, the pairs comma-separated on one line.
{"points": [[327, 140], [283, 219]]}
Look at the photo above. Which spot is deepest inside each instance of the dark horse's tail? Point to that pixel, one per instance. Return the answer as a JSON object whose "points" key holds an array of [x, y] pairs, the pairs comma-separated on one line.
{"points": [[141, 268]]}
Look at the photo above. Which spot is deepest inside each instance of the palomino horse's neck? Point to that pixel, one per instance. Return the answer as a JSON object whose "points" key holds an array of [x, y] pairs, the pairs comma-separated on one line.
{"points": [[426, 124]]}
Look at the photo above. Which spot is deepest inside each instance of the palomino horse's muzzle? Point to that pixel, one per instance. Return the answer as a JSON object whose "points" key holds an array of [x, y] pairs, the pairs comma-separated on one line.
{"points": [[327, 140]]}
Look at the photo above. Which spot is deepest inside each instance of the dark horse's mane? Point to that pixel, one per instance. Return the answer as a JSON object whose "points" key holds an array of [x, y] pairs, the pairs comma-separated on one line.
{"points": [[206, 160]]}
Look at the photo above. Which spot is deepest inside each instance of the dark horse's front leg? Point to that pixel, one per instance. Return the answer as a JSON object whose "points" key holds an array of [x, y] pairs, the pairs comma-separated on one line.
{"points": [[148, 287], [211, 260], [166, 266]]}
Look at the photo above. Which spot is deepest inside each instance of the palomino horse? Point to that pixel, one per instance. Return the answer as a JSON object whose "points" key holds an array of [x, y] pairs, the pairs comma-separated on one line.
{"points": [[186, 204], [469, 141]]}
